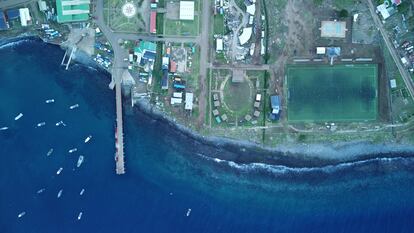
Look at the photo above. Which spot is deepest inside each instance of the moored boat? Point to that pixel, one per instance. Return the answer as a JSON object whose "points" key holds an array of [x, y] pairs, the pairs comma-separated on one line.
{"points": [[80, 161], [41, 124], [81, 192], [80, 216], [4, 128], [18, 116], [73, 150], [59, 171], [74, 106], [60, 193], [21, 214], [88, 138], [50, 101], [49, 152]]}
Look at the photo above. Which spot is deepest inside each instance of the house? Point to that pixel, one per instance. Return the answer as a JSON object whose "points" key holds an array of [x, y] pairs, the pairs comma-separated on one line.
{"points": [[189, 101]]}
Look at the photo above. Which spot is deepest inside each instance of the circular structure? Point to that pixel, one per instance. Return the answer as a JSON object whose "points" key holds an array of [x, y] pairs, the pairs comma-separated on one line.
{"points": [[129, 10], [237, 96]]}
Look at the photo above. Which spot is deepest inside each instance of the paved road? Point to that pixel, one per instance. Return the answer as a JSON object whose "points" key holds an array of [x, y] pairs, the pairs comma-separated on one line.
{"points": [[204, 48], [240, 66], [4, 4], [404, 73]]}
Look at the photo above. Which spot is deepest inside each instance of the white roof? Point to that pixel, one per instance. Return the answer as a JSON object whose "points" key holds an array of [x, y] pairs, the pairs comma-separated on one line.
{"points": [[176, 100], [251, 9], [24, 16], [320, 50], [404, 60], [189, 101], [383, 10], [393, 83], [42, 5], [245, 36], [165, 61], [178, 95], [219, 44], [187, 10]]}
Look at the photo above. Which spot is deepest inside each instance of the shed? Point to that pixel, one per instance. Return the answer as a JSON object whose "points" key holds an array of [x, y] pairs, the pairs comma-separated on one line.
{"points": [[224, 117], [189, 101], [178, 95], [219, 44], [216, 103], [256, 113], [247, 117], [393, 83], [215, 112], [176, 101], [186, 10], [256, 104], [320, 50]]}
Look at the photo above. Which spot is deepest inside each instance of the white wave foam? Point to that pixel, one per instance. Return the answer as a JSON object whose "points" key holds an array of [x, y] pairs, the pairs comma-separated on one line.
{"points": [[281, 169], [13, 43]]}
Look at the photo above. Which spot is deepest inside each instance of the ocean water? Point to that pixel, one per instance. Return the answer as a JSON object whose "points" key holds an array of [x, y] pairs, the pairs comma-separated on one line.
{"points": [[167, 172]]}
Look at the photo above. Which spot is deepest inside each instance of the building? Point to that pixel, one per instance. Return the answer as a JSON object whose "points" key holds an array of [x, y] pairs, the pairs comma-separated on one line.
{"points": [[320, 50], [13, 14], [25, 17], [219, 45], [245, 36], [186, 10], [153, 22], [333, 29], [275, 102], [388, 8], [173, 66], [3, 22], [189, 101], [72, 10], [251, 9], [42, 5]]}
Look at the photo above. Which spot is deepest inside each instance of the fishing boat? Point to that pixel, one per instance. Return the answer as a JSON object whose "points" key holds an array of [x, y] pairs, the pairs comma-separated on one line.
{"points": [[81, 192], [188, 212], [88, 139], [80, 216], [18, 116], [60, 193], [4, 128], [74, 106], [41, 190], [59, 171], [59, 123], [41, 124], [21, 214], [50, 101], [73, 150], [80, 161], [49, 152]]}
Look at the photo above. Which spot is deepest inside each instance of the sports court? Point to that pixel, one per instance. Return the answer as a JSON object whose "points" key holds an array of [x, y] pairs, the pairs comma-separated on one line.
{"points": [[338, 93]]}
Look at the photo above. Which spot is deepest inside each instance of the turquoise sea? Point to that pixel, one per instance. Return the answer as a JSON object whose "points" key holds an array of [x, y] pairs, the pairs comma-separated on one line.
{"points": [[168, 173]]}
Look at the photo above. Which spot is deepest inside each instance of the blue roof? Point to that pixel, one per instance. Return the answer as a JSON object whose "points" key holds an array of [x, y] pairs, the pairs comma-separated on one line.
{"points": [[3, 22], [13, 14], [149, 55], [275, 101], [164, 80]]}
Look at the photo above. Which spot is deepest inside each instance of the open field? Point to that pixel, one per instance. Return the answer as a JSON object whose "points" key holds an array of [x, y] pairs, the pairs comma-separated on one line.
{"points": [[332, 93], [182, 27]]}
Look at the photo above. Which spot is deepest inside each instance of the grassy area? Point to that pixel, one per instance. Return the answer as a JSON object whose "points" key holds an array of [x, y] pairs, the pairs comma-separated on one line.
{"points": [[160, 23], [182, 27], [219, 24], [157, 72], [332, 93]]}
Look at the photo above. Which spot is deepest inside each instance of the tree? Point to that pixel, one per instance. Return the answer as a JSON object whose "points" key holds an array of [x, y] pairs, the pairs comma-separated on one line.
{"points": [[343, 13]]}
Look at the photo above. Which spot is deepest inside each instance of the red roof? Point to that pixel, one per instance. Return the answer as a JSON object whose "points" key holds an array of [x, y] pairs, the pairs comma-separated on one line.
{"points": [[173, 66], [153, 22], [396, 2]]}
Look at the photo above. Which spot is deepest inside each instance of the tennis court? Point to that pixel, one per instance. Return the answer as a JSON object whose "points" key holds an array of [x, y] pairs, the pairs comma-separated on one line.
{"points": [[332, 93]]}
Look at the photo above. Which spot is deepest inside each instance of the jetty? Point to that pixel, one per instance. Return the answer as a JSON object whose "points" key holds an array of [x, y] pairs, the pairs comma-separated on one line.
{"points": [[119, 135], [66, 63]]}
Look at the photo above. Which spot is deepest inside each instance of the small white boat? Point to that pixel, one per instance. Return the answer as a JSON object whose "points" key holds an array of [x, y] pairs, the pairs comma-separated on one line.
{"points": [[41, 190], [4, 128], [74, 106], [188, 212], [21, 214], [60, 193], [81, 192], [60, 123], [80, 161], [41, 124], [73, 150], [49, 152], [88, 139], [80, 216], [18, 116], [59, 171], [50, 101]]}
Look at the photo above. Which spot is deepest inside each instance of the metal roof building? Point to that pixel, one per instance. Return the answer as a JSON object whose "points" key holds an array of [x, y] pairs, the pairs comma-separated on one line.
{"points": [[245, 36], [189, 101], [186, 10], [153, 22], [3, 22], [72, 10], [13, 14]]}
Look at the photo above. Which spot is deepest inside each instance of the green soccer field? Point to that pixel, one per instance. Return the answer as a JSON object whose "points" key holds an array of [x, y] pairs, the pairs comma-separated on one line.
{"points": [[332, 93]]}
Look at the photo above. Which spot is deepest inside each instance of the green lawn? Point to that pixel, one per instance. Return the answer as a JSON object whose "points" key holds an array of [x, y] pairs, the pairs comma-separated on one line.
{"points": [[332, 93], [117, 21], [182, 27], [219, 24]]}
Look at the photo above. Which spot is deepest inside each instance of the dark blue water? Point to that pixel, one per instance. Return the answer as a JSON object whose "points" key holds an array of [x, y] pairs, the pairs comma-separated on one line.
{"points": [[166, 172]]}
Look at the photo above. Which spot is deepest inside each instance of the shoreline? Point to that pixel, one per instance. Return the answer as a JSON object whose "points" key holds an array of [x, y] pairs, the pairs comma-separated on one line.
{"points": [[246, 152]]}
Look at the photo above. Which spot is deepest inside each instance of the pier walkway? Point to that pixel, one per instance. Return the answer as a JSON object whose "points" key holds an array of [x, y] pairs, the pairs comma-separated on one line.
{"points": [[120, 167]]}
